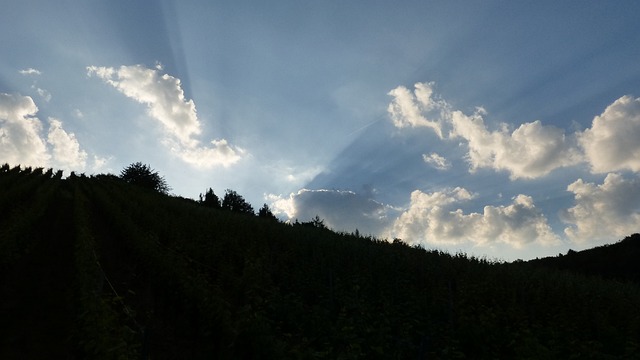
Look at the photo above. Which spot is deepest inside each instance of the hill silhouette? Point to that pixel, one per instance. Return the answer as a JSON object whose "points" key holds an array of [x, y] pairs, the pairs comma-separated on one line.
{"points": [[619, 261], [97, 268]]}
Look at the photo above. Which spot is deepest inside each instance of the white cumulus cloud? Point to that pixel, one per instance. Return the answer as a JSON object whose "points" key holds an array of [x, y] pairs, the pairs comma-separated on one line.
{"points": [[608, 211], [20, 139], [66, 150], [530, 151], [164, 97], [435, 219], [23, 142], [613, 141]]}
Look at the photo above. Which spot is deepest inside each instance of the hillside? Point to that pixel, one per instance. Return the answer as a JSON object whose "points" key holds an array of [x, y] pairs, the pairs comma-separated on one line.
{"points": [[95, 268], [617, 261]]}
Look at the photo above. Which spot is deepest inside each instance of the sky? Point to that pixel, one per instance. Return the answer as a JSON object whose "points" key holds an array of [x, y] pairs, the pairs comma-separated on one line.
{"points": [[501, 129]]}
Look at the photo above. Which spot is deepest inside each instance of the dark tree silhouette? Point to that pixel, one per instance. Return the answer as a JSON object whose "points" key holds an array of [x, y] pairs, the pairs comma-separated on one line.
{"points": [[235, 202], [319, 223], [235, 286], [316, 222], [265, 212], [210, 199], [142, 175]]}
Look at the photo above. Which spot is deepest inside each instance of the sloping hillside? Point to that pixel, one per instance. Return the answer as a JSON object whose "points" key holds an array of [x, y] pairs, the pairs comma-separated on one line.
{"points": [[619, 261], [99, 269]]}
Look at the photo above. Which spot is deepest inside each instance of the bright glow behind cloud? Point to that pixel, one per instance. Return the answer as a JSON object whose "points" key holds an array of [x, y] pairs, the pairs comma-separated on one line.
{"points": [[164, 97], [342, 210]]}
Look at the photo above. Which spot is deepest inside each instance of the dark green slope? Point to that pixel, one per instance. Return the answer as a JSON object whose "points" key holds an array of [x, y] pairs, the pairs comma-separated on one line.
{"points": [[619, 261], [95, 268]]}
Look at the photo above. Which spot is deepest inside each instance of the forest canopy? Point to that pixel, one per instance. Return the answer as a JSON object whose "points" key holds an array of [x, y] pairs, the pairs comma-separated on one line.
{"points": [[148, 275]]}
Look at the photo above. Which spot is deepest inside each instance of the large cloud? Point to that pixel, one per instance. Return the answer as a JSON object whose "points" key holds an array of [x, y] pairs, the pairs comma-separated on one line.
{"points": [[612, 143], [530, 151], [603, 212], [165, 101], [432, 218], [20, 140], [341, 210]]}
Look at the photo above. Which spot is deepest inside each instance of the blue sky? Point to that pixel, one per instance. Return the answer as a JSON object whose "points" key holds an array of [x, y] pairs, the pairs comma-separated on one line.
{"points": [[499, 128]]}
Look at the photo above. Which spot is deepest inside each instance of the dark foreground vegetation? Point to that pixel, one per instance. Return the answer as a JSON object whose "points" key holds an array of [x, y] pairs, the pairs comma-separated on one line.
{"points": [[98, 268]]}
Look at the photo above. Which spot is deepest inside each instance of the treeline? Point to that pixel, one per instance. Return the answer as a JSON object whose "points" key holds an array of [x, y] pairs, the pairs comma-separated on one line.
{"points": [[144, 275], [143, 175], [232, 201], [619, 261]]}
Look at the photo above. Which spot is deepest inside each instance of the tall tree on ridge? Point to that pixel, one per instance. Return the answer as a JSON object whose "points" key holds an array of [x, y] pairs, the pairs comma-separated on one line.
{"points": [[235, 202], [142, 175]]}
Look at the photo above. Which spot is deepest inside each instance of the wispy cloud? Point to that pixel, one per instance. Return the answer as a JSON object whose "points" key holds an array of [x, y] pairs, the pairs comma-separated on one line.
{"points": [[437, 161], [164, 97], [435, 219], [30, 71], [419, 108], [219, 152], [44, 94]]}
